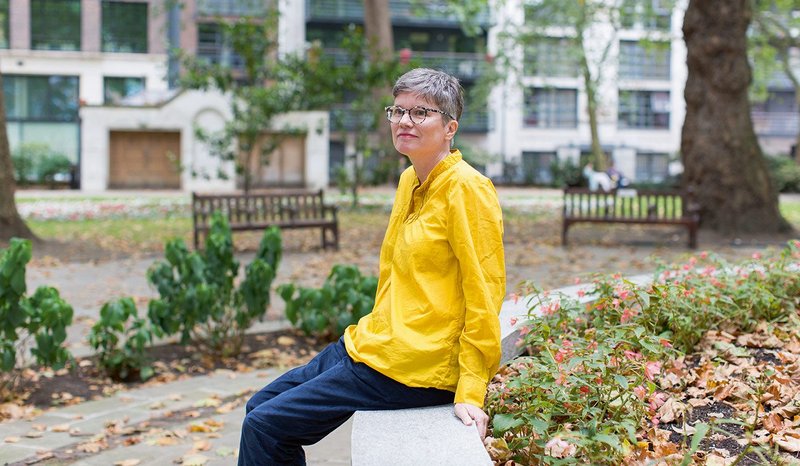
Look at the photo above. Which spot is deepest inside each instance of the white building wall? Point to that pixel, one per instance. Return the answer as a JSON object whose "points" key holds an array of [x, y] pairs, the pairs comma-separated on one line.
{"points": [[90, 67], [188, 110]]}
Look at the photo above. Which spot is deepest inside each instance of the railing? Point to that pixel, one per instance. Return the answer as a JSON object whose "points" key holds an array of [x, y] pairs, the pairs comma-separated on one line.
{"points": [[776, 123], [474, 121], [232, 7], [401, 11], [466, 66]]}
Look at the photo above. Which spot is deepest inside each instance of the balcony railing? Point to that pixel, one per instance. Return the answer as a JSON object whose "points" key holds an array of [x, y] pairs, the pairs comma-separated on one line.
{"points": [[465, 66], [776, 123], [401, 11], [232, 7], [476, 121]]}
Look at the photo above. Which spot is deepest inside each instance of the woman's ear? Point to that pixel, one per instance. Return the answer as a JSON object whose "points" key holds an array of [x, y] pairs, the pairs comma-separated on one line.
{"points": [[450, 130]]}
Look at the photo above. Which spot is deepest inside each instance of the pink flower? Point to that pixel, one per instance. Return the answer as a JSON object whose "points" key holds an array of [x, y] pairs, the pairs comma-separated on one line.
{"points": [[524, 330], [633, 355], [615, 303], [656, 401], [651, 369], [665, 343], [756, 255], [704, 255], [513, 321], [621, 292], [640, 392], [581, 293], [627, 315], [577, 280], [551, 308]]}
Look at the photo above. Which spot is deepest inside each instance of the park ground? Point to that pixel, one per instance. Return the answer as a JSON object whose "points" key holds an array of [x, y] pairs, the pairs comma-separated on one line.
{"points": [[98, 248]]}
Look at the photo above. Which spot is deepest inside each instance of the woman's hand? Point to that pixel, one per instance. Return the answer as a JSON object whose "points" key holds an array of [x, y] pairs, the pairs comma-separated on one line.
{"points": [[468, 413]]}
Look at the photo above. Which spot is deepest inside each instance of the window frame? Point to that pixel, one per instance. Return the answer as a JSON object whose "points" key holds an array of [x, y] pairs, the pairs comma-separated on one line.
{"points": [[51, 21], [554, 109], [111, 40], [644, 119]]}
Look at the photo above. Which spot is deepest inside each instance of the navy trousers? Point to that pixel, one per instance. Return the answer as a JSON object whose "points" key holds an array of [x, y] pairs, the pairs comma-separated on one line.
{"points": [[307, 403]]}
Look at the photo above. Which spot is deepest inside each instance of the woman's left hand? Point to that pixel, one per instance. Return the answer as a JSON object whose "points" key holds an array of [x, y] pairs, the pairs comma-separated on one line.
{"points": [[468, 413]]}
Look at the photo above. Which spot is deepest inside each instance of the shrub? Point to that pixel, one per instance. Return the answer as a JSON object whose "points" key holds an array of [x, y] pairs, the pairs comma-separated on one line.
{"points": [[785, 174], [198, 294], [38, 163], [119, 323], [42, 317], [345, 297], [588, 387]]}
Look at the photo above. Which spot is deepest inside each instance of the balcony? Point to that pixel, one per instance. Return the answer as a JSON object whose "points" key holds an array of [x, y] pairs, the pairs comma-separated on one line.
{"points": [[403, 12], [465, 66], [232, 7], [776, 124], [476, 121]]}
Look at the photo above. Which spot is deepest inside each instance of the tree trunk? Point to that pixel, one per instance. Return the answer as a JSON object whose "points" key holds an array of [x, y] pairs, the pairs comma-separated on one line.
{"points": [[723, 163], [11, 225], [597, 157], [380, 37]]}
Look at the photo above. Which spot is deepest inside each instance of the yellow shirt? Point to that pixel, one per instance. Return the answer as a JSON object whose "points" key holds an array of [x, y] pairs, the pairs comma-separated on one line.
{"points": [[441, 283]]}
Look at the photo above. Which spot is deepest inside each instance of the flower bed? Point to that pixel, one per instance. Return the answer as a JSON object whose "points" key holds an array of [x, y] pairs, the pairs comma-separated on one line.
{"points": [[93, 209], [700, 367]]}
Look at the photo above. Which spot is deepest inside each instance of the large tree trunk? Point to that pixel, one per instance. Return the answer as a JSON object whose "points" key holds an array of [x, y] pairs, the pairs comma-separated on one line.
{"points": [[724, 165], [11, 225]]}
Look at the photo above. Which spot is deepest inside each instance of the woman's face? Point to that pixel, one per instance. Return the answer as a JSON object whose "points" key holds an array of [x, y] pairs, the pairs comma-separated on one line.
{"points": [[429, 138]]}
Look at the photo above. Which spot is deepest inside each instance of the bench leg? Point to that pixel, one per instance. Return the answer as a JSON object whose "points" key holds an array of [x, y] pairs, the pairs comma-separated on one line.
{"points": [[693, 236], [564, 229]]}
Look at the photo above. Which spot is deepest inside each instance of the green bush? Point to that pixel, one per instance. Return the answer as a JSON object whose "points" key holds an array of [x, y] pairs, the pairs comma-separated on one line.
{"points": [[198, 294], [589, 386], [345, 297], [785, 174], [120, 323], [38, 163], [42, 317], [566, 173]]}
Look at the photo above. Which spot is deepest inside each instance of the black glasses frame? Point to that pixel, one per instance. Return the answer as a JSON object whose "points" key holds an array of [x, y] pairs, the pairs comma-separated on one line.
{"points": [[392, 108]]}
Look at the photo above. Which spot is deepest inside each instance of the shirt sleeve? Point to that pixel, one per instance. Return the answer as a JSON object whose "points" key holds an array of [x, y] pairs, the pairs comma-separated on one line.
{"points": [[475, 232]]}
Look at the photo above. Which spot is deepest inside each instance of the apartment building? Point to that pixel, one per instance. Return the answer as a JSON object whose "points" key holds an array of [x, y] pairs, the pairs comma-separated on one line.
{"points": [[72, 67]]}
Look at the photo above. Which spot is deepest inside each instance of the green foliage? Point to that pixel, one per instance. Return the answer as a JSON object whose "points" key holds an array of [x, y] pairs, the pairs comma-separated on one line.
{"points": [[42, 317], [772, 40], [122, 338], [38, 163], [785, 174], [198, 294], [566, 173], [345, 297], [590, 378]]}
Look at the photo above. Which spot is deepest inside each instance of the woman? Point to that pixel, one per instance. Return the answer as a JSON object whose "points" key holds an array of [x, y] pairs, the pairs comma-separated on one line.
{"points": [[433, 336]]}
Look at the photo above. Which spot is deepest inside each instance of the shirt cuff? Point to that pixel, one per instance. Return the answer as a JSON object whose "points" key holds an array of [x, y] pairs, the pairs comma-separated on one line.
{"points": [[471, 390]]}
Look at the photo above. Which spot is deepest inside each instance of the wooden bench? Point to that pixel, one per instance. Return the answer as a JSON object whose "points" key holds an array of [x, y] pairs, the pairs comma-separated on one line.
{"points": [[286, 209], [647, 207]]}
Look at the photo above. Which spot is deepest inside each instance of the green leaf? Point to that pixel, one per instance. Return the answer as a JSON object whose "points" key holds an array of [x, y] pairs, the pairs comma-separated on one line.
{"points": [[621, 380], [506, 422]]}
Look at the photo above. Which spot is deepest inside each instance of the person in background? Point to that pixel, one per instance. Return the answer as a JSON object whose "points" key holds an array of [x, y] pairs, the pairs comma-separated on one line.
{"points": [[433, 336]]}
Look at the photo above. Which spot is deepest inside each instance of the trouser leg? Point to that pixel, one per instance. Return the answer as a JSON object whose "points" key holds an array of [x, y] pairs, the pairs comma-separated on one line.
{"points": [[274, 431]]}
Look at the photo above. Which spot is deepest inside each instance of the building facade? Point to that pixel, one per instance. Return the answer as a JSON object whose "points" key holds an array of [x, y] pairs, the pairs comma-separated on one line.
{"points": [[61, 56]]}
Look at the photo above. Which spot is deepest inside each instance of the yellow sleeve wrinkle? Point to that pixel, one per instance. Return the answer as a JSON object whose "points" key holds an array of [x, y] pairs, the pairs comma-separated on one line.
{"points": [[475, 232]]}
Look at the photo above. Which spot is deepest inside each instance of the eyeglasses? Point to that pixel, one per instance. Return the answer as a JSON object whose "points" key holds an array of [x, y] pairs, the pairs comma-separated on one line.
{"points": [[417, 114]]}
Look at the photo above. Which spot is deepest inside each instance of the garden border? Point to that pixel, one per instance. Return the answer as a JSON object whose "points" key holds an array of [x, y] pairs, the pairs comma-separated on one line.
{"points": [[409, 437]]}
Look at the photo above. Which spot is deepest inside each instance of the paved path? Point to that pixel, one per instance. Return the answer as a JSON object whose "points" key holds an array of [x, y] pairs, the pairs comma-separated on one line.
{"points": [[197, 419]]}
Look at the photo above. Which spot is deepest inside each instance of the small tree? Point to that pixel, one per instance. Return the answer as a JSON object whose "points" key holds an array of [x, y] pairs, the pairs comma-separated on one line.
{"points": [[258, 90], [585, 32]]}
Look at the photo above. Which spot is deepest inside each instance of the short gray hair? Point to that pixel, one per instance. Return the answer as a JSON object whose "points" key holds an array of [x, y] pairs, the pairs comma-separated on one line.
{"points": [[436, 87]]}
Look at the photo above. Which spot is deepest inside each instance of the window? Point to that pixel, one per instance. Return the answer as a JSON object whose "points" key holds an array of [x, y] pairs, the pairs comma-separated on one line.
{"points": [[116, 89], [643, 109], [646, 14], [537, 167], [546, 13], [651, 167], [4, 34], [551, 57], [639, 62], [43, 109], [56, 24], [213, 46], [124, 27], [551, 108]]}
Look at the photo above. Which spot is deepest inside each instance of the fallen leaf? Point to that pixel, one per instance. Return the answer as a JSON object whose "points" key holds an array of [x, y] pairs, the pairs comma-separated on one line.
{"points": [[128, 462], [33, 434], [60, 428], [790, 444], [285, 340], [166, 441], [773, 423], [11, 439], [224, 451], [193, 460], [202, 445]]}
